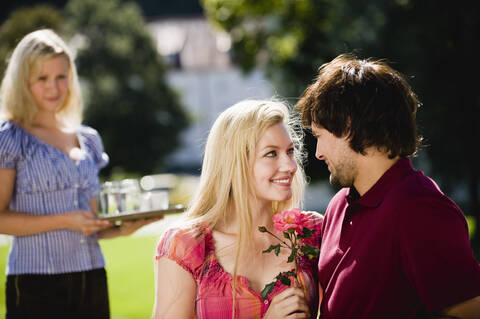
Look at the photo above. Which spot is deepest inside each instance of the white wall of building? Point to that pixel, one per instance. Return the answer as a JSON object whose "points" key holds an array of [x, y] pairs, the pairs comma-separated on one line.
{"points": [[206, 93]]}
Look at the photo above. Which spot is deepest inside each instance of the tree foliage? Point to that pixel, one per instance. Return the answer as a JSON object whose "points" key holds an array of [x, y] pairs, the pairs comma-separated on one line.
{"points": [[22, 22], [291, 39], [437, 42], [127, 98], [433, 42], [123, 80]]}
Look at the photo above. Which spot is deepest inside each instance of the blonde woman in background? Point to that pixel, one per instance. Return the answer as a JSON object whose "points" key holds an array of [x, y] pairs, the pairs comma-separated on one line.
{"points": [[213, 266], [49, 167]]}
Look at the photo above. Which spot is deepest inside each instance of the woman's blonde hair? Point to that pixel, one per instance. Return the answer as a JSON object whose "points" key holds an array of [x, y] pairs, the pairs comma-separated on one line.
{"points": [[226, 178], [16, 101]]}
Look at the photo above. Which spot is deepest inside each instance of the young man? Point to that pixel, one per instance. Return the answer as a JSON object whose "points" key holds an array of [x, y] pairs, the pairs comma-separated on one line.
{"points": [[394, 246]]}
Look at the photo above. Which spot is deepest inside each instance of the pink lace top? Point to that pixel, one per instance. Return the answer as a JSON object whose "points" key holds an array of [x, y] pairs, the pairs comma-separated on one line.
{"points": [[193, 249]]}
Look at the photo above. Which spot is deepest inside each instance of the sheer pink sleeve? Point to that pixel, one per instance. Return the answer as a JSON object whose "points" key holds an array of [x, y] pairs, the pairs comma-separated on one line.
{"points": [[184, 246]]}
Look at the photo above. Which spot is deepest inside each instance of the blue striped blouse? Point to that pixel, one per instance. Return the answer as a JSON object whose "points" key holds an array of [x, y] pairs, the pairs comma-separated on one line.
{"points": [[49, 182]]}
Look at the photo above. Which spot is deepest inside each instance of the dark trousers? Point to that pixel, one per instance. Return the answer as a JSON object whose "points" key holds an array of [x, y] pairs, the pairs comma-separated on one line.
{"points": [[73, 295]]}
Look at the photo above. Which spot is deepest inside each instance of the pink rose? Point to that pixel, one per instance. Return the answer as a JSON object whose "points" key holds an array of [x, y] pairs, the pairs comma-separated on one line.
{"points": [[293, 218]]}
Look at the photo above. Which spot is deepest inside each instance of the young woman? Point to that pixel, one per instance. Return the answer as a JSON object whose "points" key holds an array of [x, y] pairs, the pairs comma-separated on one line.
{"points": [[213, 266], [49, 167]]}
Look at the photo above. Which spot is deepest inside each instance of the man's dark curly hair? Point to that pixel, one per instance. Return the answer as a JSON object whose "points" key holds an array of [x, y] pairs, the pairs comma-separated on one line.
{"points": [[365, 100]]}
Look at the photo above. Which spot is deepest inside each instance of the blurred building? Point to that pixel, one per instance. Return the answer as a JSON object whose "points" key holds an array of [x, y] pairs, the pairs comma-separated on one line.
{"points": [[202, 71]]}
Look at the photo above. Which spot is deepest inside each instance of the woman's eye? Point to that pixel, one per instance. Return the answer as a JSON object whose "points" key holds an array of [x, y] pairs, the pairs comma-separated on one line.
{"points": [[42, 78], [271, 154], [61, 77], [291, 151]]}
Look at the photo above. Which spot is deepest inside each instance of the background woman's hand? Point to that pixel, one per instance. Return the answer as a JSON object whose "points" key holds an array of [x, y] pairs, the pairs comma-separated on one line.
{"points": [[290, 303], [85, 222]]}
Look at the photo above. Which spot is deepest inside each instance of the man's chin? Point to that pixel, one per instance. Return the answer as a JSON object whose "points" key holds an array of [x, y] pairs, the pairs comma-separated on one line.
{"points": [[335, 182]]}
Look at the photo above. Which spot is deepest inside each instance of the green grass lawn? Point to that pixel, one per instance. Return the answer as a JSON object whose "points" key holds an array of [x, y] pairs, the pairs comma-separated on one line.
{"points": [[130, 276], [3, 261]]}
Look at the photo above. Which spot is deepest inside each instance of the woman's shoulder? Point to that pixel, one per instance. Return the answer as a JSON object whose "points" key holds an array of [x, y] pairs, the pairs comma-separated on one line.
{"points": [[10, 137], [90, 137], [93, 141], [88, 132], [8, 130], [185, 236], [187, 246]]}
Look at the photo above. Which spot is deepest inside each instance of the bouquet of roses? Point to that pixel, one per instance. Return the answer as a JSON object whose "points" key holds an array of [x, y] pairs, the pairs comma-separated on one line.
{"points": [[295, 226]]}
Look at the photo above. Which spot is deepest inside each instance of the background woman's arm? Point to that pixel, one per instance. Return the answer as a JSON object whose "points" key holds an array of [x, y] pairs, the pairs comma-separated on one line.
{"points": [[23, 224]]}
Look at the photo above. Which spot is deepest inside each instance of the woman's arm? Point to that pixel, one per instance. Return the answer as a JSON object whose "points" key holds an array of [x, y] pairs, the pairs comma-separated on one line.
{"points": [[23, 224], [175, 291]]}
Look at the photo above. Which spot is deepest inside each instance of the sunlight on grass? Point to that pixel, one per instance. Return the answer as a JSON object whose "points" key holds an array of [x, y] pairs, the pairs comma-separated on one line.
{"points": [[130, 276], [3, 263], [471, 225]]}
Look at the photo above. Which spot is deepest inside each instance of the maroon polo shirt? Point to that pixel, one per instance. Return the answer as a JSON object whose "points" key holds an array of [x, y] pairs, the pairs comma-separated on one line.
{"points": [[399, 251]]}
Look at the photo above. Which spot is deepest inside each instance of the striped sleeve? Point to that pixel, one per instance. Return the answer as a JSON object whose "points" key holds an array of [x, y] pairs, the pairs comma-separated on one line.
{"points": [[10, 151], [94, 143]]}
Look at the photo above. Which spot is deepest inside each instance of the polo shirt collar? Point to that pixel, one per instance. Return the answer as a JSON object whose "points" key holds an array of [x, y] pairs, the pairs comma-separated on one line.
{"points": [[374, 196]]}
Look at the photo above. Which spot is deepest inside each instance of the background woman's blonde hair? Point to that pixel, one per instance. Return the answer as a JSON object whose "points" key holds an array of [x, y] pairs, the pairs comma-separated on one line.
{"points": [[16, 101], [226, 180]]}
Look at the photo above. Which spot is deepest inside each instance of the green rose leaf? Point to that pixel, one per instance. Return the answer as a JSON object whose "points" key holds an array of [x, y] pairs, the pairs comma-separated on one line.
{"points": [[292, 256], [284, 279], [307, 233], [272, 248], [267, 290], [277, 250]]}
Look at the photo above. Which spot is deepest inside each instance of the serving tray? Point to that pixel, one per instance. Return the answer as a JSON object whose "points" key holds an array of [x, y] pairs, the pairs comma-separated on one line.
{"points": [[133, 215]]}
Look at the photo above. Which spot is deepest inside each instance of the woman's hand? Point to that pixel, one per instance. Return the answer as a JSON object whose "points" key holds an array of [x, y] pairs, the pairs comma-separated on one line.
{"points": [[85, 222], [290, 303]]}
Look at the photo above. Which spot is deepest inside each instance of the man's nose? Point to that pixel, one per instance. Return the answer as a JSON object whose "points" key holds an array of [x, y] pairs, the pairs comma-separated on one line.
{"points": [[318, 152]]}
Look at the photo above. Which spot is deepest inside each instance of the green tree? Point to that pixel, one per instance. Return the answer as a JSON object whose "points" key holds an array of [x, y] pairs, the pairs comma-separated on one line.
{"points": [[442, 55], [22, 22], [291, 39], [433, 42], [126, 95]]}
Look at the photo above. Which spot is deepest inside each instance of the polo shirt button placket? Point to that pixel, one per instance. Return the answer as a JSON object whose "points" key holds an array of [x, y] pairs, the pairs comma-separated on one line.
{"points": [[346, 233]]}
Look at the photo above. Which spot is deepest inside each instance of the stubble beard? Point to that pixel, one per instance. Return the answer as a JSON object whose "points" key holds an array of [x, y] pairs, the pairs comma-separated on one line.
{"points": [[343, 175]]}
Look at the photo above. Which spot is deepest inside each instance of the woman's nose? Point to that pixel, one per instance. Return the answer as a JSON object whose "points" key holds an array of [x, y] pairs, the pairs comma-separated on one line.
{"points": [[289, 164]]}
